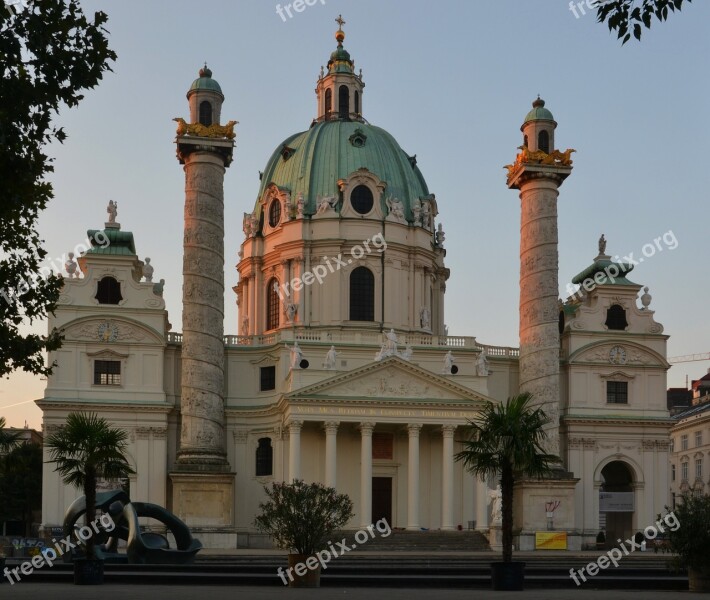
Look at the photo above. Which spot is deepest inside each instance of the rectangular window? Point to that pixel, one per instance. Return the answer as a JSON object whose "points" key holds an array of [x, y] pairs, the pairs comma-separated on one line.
{"points": [[107, 372], [268, 378], [698, 468], [684, 441], [698, 439], [684, 471], [672, 445], [617, 392], [672, 472], [383, 446]]}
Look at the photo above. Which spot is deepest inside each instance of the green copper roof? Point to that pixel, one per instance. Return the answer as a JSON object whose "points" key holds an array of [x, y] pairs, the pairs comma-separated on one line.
{"points": [[539, 112], [316, 159], [120, 243], [613, 273], [205, 82]]}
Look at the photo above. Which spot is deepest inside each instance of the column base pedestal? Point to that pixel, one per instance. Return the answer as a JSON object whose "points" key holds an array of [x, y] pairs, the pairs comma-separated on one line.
{"points": [[204, 501]]}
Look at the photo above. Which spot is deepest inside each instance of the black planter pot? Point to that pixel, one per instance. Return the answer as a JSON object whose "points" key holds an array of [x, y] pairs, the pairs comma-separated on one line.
{"points": [[508, 576], [88, 572]]}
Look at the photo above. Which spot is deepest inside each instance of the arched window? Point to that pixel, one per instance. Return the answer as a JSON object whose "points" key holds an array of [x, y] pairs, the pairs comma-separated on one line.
{"points": [[357, 102], [108, 291], [328, 102], [205, 113], [525, 141], [344, 102], [362, 200], [272, 304], [264, 458], [274, 212], [543, 141], [616, 318], [362, 295]]}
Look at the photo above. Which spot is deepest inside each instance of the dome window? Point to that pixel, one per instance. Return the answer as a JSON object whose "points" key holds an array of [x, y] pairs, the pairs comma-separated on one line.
{"points": [[616, 318], [108, 291], [274, 212], [328, 102], [272, 304], [358, 138], [362, 200], [362, 295], [543, 141], [344, 102], [205, 113], [287, 152]]}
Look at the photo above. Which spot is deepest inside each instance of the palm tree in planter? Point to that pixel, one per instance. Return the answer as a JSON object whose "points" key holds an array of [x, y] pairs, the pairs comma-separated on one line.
{"points": [[84, 449], [506, 440], [688, 529], [8, 439], [300, 517]]}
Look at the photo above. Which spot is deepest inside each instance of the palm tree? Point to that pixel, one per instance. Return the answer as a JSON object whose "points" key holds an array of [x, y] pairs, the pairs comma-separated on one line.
{"points": [[506, 440], [8, 439], [87, 448]]}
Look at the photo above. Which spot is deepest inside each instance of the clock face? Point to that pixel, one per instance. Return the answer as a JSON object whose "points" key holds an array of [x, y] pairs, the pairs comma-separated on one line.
{"points": [[617, 355], [107, 332]]}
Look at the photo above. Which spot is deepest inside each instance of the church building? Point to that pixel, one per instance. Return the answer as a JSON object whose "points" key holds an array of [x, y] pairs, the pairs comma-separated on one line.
{"points": [[343, 370]]}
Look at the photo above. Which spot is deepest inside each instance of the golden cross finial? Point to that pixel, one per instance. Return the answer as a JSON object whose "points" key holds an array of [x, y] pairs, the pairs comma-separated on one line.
{"points": [[340, 22]]}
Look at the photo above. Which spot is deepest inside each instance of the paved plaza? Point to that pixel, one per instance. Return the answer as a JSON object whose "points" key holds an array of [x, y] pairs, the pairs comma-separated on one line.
{"points": [[32, 591]]}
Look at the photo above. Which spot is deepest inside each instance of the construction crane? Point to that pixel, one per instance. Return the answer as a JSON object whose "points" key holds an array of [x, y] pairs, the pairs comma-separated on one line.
{"points": [[689, 358]]}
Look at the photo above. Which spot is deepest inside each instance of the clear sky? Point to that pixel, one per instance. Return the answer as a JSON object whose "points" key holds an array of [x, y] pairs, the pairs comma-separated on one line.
{"points": [[452, 80]]}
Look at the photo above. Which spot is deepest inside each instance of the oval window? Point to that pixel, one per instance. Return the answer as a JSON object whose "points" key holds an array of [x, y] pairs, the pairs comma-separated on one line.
{"points": [[362, 200]]}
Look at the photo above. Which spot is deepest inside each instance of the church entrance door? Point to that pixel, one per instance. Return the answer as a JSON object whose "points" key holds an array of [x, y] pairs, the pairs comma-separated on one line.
{"points": [[382, 499]]}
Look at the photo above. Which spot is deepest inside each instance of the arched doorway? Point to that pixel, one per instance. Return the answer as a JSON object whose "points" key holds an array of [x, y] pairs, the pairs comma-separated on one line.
{"points": [[616, 501]]}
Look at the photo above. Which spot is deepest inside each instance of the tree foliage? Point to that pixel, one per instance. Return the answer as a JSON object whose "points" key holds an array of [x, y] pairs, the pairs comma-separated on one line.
{"points": [[8, 439], [506, 440], [629, 17], [300, 516], [690, 540], [87, 448], [21, 484], [49, 53]]}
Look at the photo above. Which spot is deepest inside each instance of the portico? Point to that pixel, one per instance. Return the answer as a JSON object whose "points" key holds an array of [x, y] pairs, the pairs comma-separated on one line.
{"points": [[400, 428]]}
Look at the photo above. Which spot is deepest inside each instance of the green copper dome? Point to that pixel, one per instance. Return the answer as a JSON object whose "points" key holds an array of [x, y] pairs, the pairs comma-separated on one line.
{"points": [[313, 161], [539, 112], [205, 81]]}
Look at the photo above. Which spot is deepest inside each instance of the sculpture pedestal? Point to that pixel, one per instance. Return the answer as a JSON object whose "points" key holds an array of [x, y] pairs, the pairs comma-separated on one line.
{"points": [[205, 502], [530, 514], [495, 538]]}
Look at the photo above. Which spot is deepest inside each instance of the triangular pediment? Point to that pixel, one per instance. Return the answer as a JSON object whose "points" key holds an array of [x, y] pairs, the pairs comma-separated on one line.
{"points": [[390, 379]]}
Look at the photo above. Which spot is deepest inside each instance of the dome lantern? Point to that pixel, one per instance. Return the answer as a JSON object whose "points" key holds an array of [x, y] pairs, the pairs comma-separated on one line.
{"points": [[339, 89]]}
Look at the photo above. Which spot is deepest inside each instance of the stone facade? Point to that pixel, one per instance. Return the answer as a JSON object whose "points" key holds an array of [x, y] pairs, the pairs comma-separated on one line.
{"points": [[375, 402]]}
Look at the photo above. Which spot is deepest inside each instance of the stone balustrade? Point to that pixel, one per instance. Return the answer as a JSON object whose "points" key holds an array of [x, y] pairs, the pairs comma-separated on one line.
{"points": [[371, 338]]}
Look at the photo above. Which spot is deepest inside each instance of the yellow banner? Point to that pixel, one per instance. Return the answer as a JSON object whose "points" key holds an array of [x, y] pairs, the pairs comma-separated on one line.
{"points": [[550, 540]]}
